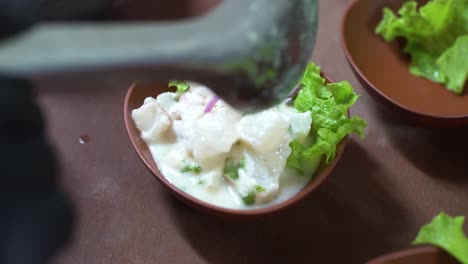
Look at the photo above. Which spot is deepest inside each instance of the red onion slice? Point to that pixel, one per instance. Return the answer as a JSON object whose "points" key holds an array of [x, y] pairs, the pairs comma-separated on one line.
{"points": [[211, 104], [295, 91]]}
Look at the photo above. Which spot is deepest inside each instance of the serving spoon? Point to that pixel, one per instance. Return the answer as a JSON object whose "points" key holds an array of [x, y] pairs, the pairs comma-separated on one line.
{"points": [[252, 53]]}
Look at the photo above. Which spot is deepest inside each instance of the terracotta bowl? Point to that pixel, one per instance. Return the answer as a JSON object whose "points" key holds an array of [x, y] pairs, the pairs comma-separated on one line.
{"points": [[383, 70], [417, 255], [134, 99]]}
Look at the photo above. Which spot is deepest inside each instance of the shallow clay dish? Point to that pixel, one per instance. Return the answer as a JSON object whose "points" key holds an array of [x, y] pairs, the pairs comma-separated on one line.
{"points": [[134, 99], [417, 255], [383, 70]]}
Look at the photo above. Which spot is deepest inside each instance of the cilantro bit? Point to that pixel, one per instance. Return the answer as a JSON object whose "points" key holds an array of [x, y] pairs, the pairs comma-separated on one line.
{"points": [[231, 169], [242, 164], [259, 188], [249, 199], [193, 167], [181, 86]]}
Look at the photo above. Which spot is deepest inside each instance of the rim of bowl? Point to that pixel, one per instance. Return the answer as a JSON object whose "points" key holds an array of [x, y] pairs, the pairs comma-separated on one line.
{"points": [[374, 89], [403, 253], [262, 211]]}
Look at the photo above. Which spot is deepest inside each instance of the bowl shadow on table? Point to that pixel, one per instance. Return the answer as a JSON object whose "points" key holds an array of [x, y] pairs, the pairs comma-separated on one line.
{"points": [[438, 152], [350, 219]]}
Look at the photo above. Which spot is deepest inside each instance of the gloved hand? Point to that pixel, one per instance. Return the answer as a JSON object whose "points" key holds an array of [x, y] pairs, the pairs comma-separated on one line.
{"points": [[17, 15], [35, 216]]}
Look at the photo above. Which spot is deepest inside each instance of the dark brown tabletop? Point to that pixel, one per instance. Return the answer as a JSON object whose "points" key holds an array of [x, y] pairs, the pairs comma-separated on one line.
{"points": [[383, 189]]}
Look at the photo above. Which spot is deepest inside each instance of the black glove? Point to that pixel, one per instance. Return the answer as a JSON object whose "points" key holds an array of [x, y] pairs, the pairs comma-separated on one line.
{"points": [[35, 216], [17, 15]]}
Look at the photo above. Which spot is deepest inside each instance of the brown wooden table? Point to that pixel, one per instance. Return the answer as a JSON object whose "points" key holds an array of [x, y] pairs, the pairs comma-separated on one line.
{"points": [[384, 188]]}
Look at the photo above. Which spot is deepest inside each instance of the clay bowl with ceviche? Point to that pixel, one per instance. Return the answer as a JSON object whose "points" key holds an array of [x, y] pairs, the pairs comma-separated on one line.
{"points": [[135, 98], [416, 255], [383, 69]]}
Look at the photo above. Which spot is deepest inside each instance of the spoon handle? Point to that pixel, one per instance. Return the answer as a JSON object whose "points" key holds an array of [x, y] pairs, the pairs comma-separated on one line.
{"points": [[251, 52]]}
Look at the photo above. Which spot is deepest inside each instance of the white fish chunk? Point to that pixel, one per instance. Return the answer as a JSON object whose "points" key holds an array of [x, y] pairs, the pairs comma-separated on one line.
{"points": [[151, 120], [263, 131], [215, 133], [166, 101], [300, 122]]}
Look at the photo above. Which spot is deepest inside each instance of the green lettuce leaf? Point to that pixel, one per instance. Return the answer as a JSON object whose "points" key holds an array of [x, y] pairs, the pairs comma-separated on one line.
{"points": [[431, 32], [296, 158], [454, 63], [328, 105], [302, 161], [446, 232]]}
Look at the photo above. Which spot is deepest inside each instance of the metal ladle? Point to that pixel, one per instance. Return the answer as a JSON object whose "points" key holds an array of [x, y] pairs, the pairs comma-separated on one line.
{"points": [[252, 53]]}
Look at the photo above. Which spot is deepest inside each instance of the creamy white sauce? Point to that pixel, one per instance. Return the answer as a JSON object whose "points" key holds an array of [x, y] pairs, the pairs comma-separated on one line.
{"points": [[220, 156]]}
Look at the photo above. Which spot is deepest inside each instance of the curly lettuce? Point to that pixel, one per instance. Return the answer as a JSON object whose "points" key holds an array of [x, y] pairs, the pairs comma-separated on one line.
{"points": [[446, 232], [436, 39], [328, 105]]}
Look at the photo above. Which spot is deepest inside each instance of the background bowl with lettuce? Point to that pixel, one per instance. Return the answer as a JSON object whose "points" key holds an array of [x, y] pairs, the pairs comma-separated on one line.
{"points": [[442, 241], [328, 103], [412, 56]]}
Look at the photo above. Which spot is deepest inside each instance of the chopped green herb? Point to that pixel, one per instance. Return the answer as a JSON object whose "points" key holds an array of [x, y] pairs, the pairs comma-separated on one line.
{"points": [[201, 182], [193, 167], [181, 86], [249, 199], [242, 164], [259, 188], [231, 169]]}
